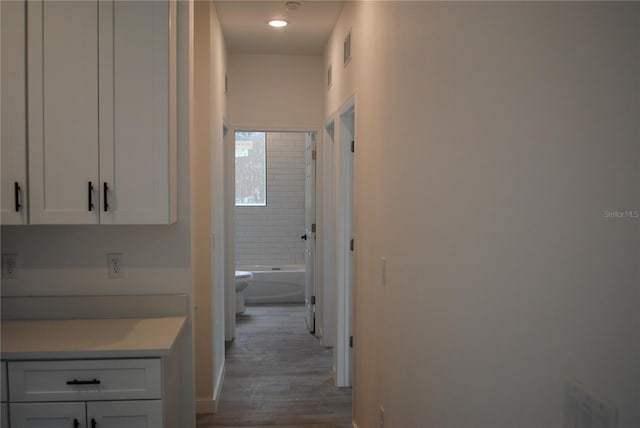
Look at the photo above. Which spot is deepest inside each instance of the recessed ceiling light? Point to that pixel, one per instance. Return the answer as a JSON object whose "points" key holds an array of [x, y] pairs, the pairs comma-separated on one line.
{"points": [[278, 23]]}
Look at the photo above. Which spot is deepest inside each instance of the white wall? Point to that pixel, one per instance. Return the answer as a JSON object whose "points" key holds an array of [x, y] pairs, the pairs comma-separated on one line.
{"points": [[491, 139], [270, 235], [72, 260], [208, 258], [275, 91]]}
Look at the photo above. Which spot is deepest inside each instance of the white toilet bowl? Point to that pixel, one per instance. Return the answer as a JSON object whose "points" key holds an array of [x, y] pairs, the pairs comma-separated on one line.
{"points": [[242, 283]]}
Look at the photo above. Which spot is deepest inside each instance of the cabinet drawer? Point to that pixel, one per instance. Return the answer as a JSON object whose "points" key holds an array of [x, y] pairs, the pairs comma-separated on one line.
{"points": [[79, 380]]}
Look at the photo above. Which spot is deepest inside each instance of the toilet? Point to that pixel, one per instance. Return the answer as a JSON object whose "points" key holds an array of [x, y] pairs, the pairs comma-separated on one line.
{"points": [[242, 282]]}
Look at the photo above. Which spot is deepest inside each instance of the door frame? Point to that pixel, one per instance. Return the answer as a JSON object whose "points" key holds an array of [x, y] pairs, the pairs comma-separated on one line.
{"points": [[230, 190], [326, 250], [345, 229]]}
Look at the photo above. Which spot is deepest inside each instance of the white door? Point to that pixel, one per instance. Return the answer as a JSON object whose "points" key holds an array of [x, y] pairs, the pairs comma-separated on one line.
{"points": [[63, 112], [48, 415], [14, 119], [137, 64], [310, 231], [124, 414]]}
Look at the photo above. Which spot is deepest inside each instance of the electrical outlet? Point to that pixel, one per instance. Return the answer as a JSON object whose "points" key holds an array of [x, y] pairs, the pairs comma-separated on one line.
{"points": [[115, 265], [381, 417], [9, 266]]}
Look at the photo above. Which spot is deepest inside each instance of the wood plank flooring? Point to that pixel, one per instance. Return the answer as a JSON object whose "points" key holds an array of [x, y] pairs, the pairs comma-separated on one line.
{"points": [[278, 375]]}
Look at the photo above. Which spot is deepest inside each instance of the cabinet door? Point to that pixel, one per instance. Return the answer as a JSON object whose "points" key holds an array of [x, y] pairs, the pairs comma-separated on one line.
{"points": [[4, 415], [137, 95], [125, 414], [14, 119], [63, 111], [48, 415]]}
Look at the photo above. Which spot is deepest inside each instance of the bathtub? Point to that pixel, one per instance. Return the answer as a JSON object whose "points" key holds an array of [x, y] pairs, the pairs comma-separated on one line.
{"points": [[275, 284]]}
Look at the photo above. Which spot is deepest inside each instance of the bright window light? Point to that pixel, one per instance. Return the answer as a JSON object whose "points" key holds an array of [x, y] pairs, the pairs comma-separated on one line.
{"points": [[251, 169]]}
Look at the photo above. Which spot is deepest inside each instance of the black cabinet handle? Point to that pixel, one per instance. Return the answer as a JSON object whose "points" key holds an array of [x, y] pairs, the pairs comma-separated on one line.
{"points": [[90, 196], [83, 382], [304, 237], [105, 190], [93, 423], [76, 423], [16, 187]]}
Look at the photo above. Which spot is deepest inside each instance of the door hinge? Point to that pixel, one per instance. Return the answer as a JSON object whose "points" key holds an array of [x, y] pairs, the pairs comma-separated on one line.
{"points": [[352, 245], [313, 300], [350, 341], [353, 146], [313, 155], [313, 228]]}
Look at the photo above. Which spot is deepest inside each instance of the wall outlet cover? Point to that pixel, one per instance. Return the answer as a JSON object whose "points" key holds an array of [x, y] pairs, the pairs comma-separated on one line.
{"points": [[115, 265], [9, 269]]}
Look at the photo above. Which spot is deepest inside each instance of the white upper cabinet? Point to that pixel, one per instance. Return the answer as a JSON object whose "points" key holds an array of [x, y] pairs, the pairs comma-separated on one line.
{"points": [[13, 192], [63, 112], [137, 96], [102, 145]]}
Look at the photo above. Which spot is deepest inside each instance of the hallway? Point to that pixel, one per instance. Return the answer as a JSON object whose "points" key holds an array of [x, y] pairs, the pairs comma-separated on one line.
{"points": [[278, 375]]}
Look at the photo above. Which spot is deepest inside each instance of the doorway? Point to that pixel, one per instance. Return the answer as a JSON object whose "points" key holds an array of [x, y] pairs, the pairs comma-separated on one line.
{"points": [[274, 229]]}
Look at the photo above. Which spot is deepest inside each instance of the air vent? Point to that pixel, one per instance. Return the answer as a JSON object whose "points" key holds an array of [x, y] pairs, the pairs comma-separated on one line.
{"points": [[329, 76], [347, 48]]}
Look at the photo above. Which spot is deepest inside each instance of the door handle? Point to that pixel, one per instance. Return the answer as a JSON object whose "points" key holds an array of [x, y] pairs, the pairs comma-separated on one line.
{"points": [[304, 237], [105, 190], [76, 423], [16, 188], [90, 197]]}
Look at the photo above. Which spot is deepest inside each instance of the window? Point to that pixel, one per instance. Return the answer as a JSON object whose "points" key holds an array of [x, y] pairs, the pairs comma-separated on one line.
{"points": [[251, 169]]}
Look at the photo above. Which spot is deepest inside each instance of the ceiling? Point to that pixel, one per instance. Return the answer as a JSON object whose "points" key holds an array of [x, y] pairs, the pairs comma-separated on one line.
{"points": [[244, 24]]}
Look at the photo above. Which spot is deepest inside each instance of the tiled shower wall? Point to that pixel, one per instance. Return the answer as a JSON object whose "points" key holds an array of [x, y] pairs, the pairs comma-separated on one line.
{"points": [[271, 235]]}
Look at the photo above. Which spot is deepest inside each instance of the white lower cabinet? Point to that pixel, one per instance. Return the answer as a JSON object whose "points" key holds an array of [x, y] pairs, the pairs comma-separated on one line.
{"points": [[49, 415], [4, 407], [124, 414], [118, 393], [98, 414], [4, 416]]}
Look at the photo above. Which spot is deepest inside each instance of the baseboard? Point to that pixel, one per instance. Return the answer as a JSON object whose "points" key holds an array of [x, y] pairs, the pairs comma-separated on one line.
{"points": [[210, 405], [205, 406], [218, 386]]}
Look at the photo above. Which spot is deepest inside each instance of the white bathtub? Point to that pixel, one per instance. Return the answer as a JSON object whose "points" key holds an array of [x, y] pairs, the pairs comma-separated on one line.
{"points": [[275, 284]]}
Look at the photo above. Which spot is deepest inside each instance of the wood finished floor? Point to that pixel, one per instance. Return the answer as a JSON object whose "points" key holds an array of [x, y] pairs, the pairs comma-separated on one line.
{"points": [[278, 375]]}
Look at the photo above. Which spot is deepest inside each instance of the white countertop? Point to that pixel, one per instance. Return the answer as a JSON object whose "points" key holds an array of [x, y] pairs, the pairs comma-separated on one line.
{"points": [[90, 338]]}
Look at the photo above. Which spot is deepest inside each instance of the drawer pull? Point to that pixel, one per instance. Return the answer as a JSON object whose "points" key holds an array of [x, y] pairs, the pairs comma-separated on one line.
{"points": [[76, 423], [93, 423], [83, 382]]}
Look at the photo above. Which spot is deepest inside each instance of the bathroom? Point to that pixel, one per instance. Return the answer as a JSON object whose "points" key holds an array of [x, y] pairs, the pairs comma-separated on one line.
{"points": [[270, 218]]}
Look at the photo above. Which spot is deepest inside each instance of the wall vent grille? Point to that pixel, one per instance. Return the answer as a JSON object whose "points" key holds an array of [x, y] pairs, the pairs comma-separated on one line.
{"points": [[347, 48]]}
